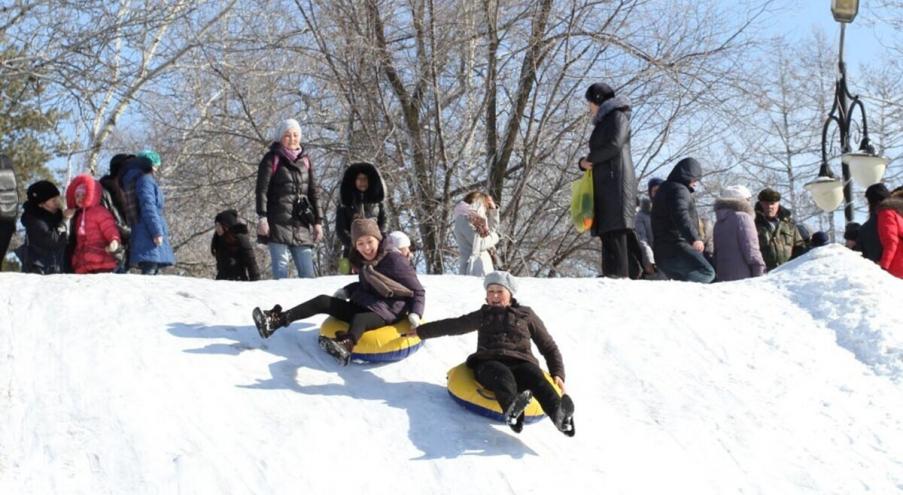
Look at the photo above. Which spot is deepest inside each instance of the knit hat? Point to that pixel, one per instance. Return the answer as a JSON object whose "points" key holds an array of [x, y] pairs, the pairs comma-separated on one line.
{"points": [[655, 181], [851, 232], [117, 162], [284, 126], [504, 279], [769, 195], [876, 193], [152, 156], [736, 192], [819, 239], [362, 227], [599, 92], [41, 191], [399, 239], [227, 219]]}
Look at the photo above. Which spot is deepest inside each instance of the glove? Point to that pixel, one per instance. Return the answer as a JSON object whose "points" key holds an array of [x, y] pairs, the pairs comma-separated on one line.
{"points": [[113, 246], [263, 227], [341, 294], [414, 320]]}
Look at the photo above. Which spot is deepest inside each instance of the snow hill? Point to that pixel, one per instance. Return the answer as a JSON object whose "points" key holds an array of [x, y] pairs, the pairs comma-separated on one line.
{"points": [[787, 384]]}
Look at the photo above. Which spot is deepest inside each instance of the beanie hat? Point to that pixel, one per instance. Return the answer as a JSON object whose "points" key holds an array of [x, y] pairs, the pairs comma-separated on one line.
{"points": [[227, 219], [819, 239], [362, 227], [876, 193], [599, 92], [851, 232], [117, 162], [152, 156], [769, 195], [41, 191], [736, 192], [655, 181], [284, 126], [504, 279], [399, 239]]}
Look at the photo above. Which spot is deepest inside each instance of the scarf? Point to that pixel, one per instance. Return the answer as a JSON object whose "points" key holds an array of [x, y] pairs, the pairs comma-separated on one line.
{"points": [[383, 285], [476, 217]]}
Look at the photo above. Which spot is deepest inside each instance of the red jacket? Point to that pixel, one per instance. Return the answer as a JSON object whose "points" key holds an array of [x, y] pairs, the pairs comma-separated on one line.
{"points": [[890, 231], [93, 228]]}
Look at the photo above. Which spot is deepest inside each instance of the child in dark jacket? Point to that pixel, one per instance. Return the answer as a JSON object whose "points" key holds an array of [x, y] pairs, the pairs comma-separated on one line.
{"points": [[233, 249], [361, 194], [46, 230], [504, 362], [386, 291]]}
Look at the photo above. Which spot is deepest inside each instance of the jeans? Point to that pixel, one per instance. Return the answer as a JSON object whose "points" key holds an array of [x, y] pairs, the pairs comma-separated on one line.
{"points": [[302, 255], [686, 264]]}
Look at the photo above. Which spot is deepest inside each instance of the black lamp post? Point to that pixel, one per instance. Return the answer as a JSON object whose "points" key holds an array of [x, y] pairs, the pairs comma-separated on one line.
{"points": [[864, 165]]}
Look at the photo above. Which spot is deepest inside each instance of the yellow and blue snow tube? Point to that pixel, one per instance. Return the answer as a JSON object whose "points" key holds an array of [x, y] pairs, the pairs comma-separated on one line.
{"points": [[467, 391], [380, 345]]}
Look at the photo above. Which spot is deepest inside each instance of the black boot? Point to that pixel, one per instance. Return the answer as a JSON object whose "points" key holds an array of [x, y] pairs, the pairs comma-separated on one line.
{"points": [[514, 415], [340, 347], [269, 321], [564, 416]]}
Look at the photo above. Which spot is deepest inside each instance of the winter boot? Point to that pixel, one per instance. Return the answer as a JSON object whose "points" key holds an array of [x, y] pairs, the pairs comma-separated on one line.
{"points": [[564, 416], [514, 415], [269, 321], [339, 347]]}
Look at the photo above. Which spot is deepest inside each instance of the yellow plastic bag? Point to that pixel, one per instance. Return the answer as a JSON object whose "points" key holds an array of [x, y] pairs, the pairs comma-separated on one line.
{"points": [[582, 202]]}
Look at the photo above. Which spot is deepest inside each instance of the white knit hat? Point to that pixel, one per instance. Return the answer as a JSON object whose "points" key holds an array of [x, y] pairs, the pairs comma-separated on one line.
{"points": [[284, 126], [399, 239], [736, 192]]}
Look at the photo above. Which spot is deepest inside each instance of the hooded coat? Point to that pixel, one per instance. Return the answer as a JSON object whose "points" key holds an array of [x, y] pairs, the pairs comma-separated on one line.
{"points": [[502, 333], [674, 218], [148, 223], [355, 204], [234, 251], [778, 240], [287, 195], [44, 250], [93, 229], [614, 181], [890, 231], [737, 254]]}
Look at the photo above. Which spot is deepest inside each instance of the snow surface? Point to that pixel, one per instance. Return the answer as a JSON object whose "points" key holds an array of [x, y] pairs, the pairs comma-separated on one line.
{"points": [[791, 383]]}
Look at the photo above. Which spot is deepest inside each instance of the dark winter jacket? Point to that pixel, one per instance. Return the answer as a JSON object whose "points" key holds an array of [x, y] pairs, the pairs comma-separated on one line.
{"points": [[355, 204], [93, 229], [890, 230], [737, 254], [234, 251], [112, 201], [614, 181], [288, 197], [44, 250], [502, 333], [138, 182], [868, 240], [777, 242], [399, 269], [674, 218]]}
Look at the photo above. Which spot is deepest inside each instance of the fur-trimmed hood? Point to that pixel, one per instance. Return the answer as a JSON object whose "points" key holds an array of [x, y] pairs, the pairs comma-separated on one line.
{"points": [[727, 205], [375, 193], [895, 202]]}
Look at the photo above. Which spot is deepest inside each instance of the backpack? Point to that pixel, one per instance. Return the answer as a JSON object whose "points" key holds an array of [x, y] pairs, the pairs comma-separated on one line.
{"points": [[9, 195]]}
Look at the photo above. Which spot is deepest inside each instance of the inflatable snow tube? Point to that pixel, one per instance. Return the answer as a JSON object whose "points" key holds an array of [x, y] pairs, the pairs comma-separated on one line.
{"points": [[466, 391], [380, 345]]}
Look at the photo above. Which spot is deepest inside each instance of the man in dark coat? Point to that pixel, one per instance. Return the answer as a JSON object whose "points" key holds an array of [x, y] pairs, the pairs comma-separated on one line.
{"points": [[678, 245], [869, 242], [614, 182], [9, 205], [361, 195], [233, 249], [778, 235], [504, 362]]}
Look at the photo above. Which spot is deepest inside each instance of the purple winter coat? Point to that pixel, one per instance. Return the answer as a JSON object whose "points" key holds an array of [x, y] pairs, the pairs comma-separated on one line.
{"points": [[399, 269], [737, 254]]}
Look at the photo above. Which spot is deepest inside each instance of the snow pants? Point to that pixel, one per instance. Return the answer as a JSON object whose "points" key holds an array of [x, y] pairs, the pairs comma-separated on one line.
{"points": [[506, 377]]}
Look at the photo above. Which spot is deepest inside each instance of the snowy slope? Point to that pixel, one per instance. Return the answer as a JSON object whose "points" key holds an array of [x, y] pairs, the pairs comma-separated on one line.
{"points": [[792, 383]]}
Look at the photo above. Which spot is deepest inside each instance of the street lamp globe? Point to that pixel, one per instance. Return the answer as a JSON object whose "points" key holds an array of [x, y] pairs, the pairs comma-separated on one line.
{"points": [[844, 10], [865, 168], [827, 192]]}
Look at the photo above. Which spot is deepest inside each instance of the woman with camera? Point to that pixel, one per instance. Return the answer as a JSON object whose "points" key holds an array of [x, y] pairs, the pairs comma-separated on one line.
{"points": [[288, 208]]}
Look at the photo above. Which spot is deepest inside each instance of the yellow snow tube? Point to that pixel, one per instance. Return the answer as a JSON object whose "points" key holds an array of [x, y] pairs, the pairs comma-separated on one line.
{"points": [[466, 391], [380, 345]]}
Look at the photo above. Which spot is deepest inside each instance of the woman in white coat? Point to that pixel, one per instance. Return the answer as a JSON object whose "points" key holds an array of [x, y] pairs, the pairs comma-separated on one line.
{"points": [[476, 232]]}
